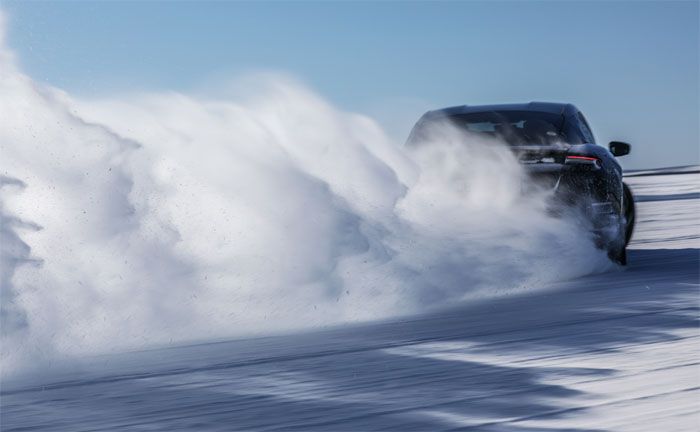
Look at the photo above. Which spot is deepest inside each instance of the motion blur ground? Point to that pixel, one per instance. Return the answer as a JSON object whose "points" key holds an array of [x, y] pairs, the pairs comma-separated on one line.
{"points": [[614, 351]]}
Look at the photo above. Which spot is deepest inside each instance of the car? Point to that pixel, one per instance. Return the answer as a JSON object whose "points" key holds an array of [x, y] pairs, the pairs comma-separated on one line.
{"points": [[558, 150]]}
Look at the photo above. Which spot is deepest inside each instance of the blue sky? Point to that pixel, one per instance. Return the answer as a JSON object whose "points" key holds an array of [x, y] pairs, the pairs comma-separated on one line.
{"points": [[631, 67]]}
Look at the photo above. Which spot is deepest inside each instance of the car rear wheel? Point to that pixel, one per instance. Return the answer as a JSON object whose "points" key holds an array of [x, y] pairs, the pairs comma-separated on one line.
{"points": [[619, 254], [628, 211]]}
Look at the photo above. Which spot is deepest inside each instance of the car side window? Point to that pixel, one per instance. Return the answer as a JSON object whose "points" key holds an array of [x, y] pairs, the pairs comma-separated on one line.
{"points": [[585, 129]]}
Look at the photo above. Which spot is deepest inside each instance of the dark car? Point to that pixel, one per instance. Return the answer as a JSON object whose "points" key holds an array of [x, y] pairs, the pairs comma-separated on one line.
{"points": [[555, 144]]}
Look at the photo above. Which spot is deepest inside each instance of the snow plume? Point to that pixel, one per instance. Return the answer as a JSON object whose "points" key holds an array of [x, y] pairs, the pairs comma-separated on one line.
{"points": [[162, 218]]}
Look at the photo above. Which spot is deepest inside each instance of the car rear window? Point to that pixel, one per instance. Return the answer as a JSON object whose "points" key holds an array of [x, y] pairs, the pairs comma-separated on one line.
{"points": [[513, 127]]}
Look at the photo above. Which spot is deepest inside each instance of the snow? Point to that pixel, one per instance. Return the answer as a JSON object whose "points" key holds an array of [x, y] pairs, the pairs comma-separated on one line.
{"points": [[614, 351], [669, 206]]}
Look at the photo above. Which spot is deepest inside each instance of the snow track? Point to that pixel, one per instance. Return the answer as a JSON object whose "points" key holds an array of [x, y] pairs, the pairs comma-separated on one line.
{"points": [[617, 351]]}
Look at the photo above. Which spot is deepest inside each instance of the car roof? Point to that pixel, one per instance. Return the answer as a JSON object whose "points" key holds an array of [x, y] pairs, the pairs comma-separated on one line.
{"points": [[548, 107]]}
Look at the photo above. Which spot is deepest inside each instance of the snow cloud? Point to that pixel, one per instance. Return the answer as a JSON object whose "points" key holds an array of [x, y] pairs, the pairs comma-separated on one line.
{"points": [[161, 218]]}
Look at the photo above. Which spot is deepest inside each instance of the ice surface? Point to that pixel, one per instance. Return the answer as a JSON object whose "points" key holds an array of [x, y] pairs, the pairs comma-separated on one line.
{"points": [[615, 351]]}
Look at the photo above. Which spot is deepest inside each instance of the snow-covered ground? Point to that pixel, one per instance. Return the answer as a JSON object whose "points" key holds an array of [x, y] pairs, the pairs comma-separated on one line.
{"points": [[618, 351]]}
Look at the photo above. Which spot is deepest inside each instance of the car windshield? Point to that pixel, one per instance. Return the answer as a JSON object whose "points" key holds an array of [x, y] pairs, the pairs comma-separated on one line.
{"points": [[513, 127]]}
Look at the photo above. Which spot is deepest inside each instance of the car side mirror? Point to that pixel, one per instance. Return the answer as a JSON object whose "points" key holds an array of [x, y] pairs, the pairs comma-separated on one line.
{"points": [[619, 148]]}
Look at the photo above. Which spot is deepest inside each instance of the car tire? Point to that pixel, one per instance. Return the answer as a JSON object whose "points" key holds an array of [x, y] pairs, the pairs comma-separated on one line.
{"points": [[619, 256], [629, 212]]}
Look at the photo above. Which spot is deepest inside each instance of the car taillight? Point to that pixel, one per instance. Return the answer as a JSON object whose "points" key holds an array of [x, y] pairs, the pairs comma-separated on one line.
{"points": [[583, 160]]}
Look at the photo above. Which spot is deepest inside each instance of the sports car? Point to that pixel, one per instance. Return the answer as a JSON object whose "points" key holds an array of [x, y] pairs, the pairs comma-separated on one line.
{"points": [[558, 150]]}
